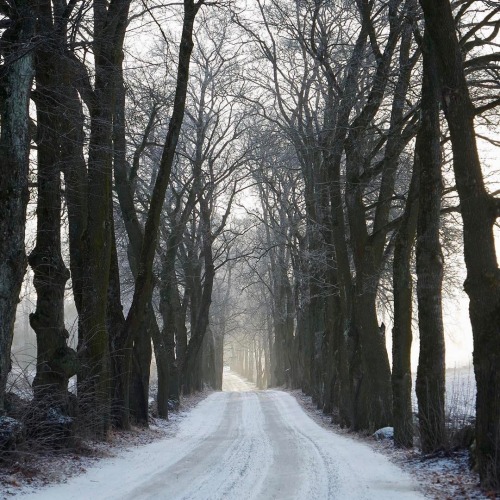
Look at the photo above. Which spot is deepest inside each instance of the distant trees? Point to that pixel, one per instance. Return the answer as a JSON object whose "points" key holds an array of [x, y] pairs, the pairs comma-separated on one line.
{"points": [[349, 173]]}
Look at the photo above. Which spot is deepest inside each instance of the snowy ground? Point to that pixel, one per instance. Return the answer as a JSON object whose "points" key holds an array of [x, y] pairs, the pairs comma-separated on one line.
{"points": [[442, 476], [243, 444], [37, 467]]}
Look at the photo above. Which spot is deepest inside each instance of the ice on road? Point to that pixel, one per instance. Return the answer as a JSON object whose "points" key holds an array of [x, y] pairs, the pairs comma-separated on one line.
{"points": [[243, 444]]}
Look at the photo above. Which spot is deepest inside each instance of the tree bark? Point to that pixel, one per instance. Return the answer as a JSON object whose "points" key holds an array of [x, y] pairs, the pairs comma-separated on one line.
{"points": [[371, 375], [16, 76], [94, 377], [430, 386], [56, 362], [169, 295], [115, 322], [74, 168], [136, 382], [191, 369], [402, 329]]}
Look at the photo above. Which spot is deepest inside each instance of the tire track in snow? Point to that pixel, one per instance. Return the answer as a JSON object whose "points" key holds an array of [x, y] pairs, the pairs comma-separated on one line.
{"points": [[250, 464], [238, 446], [184, 477], [308, 475], [238, 472], [354, 470]]}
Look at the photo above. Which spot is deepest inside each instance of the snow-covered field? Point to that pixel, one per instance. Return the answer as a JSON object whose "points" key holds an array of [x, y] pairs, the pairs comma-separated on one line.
{"points": [[460, 402], [243, 445], [460, 395]]}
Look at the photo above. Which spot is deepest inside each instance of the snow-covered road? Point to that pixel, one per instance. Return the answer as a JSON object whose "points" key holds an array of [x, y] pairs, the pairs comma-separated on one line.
{"points": [[243, 445]]}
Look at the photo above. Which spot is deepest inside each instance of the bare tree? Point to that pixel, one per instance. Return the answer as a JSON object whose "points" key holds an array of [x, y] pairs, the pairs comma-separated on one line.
{"points": [[144, 282], [479, 212]]}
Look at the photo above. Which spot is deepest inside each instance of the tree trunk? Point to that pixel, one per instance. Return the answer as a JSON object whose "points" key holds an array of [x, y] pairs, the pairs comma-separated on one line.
{"points": [[167, 387], [371, 374], [208, 362], [139, 375], [115, 322], [56, 362], [174, 333], [402, 331], [137, 382], [94, 378], [479, 212], [75, 176], [430, 386], [191, 364], [15, 86]]}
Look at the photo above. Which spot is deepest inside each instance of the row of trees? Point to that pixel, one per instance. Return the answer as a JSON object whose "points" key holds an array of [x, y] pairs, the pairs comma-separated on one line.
{"points": [[363, 106], [134, 171], [340, 117]]}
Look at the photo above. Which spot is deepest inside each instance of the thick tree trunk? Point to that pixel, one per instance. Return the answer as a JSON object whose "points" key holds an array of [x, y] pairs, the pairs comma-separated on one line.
{"points": [[308, 374], [370, 369], [139, 377], [15, 86], [479, 212], [317, 333], [402, 330], [336, 365], [136, 382], [173, 325], [282, 313], [94, 377], [191, 370], [338, 122], [167, 388], [271, 351], [340, 389], [209, 371], [56, 362], [430, 386], [219, 360], [119, 351], [174, 333], [371, 375]]}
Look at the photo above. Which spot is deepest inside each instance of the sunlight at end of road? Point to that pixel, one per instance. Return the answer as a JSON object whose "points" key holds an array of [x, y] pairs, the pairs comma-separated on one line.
{"points": [[231, 382]]}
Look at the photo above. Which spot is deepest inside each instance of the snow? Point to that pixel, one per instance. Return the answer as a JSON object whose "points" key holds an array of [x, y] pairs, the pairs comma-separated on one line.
{"points": [[10, 431], [54, 416], [460, 395], [384, 433], [243, 445], [441, 476]]}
